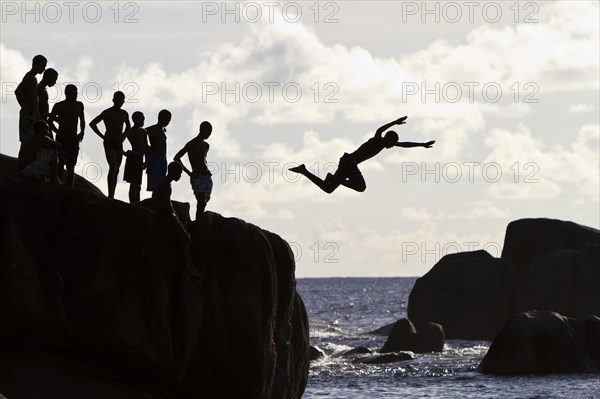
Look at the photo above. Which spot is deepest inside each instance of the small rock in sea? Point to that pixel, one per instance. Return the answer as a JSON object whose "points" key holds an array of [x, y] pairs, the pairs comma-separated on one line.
{"points": [[315, 353], [405, 337]]}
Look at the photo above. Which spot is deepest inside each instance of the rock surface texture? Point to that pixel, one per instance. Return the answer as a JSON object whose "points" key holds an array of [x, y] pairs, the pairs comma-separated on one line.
{"points": [[99, 300]]}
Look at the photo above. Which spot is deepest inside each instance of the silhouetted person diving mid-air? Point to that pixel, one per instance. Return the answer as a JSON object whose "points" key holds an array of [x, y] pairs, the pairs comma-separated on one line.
{"points": [[348, 174]]}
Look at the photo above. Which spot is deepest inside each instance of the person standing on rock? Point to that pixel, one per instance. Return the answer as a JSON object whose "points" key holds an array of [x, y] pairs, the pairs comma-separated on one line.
{"points": [[200, 176], [67, 113], [27, 97], [156, 154], [134, 165], [116, 122], [348, 174], [49, 79]]}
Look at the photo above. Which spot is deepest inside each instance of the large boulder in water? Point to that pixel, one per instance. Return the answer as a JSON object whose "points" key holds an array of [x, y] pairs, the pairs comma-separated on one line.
{"points": [[528, 239], [546, 265], [564, 281], [467, 293], [544, 342], [97, 300]]}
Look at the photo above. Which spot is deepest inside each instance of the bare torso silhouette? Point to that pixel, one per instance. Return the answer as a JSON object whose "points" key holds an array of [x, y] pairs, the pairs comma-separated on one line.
{"points": [[200, 177], [26, 92], [114, 122], [117, 127], [197, 149], [138, 140], [369, 149], [68, 114]]}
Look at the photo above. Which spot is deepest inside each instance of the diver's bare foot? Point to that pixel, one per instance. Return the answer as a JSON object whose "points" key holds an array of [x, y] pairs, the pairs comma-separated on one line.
{"points": [[299, 169]]}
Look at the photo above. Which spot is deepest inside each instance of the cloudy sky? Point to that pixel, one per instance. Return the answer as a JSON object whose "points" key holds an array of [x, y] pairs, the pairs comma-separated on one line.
{"points": [[509, 91]]}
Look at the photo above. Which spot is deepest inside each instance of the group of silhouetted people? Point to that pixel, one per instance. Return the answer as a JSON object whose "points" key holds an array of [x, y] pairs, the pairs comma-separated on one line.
{"points": [[43, 157], [40, 156]]}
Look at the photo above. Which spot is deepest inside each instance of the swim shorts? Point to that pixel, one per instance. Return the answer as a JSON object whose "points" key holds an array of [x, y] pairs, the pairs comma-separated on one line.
{"points": [[202, 186], [134, 166]]}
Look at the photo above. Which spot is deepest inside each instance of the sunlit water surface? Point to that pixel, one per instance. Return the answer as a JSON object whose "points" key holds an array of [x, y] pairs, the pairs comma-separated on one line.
{"points": [[343, 311]]}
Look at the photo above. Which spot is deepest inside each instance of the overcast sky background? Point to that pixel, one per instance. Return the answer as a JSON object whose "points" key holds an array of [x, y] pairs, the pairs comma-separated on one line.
{"points": [[359, 65]]}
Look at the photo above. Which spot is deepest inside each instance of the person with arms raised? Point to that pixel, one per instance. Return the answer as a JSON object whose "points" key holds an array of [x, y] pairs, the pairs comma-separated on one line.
{"points": [[348, 174]]}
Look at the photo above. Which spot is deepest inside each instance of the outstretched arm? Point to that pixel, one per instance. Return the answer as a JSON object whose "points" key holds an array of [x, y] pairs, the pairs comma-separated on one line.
{"points": [[399, 121], [407, 144]]}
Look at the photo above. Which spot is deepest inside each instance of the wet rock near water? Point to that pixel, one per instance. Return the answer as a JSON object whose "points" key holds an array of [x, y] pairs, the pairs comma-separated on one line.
{"points": [[405, 337], [384, 330], [545, 342], [315, 353]]}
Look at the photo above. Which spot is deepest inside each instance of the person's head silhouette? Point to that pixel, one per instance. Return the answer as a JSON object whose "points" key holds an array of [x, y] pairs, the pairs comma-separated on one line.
{"points": [[40, 128], [38, 64], [71, 92], [138, 118], [205, 130], [50, 77], [118, 99], [164, 118], [174, 171], [391, 138]]}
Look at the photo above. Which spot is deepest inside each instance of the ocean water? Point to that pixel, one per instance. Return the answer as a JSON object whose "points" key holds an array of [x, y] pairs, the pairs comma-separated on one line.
{"points": [[342, 311]]}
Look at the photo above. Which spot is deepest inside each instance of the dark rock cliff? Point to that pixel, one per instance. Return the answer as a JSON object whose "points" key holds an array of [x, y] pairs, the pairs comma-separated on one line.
{"points": [[98, 299]]}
